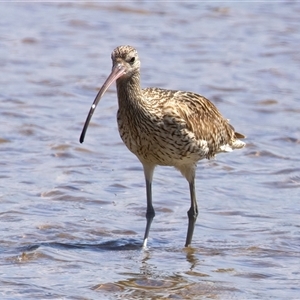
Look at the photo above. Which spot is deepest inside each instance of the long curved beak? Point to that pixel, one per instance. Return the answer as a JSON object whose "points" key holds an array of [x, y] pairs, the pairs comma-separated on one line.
{"points": [[116, 73]]}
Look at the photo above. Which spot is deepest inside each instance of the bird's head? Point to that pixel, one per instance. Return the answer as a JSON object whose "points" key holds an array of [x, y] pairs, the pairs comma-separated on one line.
{"points": [[125, 62]]}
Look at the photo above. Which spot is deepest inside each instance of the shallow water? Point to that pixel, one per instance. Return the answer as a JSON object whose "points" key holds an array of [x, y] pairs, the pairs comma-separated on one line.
{"points": [[73, 215]]}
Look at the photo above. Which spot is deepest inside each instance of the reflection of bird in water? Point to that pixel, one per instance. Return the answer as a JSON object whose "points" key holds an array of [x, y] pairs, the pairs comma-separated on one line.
{"points": [[165, 127]]}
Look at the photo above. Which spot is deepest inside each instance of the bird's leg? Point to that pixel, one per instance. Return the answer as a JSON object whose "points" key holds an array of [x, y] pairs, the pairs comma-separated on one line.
{"points": [[148, 171], [192, 213], [150, 212]]}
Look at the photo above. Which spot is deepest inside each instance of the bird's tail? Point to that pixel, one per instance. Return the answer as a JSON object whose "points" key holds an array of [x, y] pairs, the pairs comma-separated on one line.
{"points": [[239, 135]]}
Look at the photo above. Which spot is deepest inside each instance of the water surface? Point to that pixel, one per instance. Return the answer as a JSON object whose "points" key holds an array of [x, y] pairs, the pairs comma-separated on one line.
{"points": [[73, 215]]}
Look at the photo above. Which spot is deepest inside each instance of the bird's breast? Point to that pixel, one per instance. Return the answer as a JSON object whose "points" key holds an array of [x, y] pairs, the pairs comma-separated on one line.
{"points": [[159, 141]]}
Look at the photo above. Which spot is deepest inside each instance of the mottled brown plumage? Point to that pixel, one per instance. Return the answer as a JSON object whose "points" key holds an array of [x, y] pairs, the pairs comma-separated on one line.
{"points": [[165, 127]]}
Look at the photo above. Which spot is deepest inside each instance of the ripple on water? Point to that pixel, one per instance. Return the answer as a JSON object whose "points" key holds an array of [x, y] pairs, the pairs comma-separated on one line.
{"points": [[73, 215]]}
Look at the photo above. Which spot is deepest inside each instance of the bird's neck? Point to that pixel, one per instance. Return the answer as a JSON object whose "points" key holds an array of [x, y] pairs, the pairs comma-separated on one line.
{"points": [[129, 92]]}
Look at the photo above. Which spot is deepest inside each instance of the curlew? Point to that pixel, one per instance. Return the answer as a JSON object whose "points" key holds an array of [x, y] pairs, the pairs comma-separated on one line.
{"points": [[165, 127]]}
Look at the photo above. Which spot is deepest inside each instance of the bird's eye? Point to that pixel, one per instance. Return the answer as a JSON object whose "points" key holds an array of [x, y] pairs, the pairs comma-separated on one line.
{"points": [[132, 60]]}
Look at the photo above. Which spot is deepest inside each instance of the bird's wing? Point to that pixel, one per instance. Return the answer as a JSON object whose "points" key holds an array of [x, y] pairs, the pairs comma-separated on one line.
{"points": [[199, 116]]}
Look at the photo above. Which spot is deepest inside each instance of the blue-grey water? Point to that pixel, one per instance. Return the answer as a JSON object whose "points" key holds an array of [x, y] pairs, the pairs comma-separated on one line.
{"points": [[72, 215]]}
